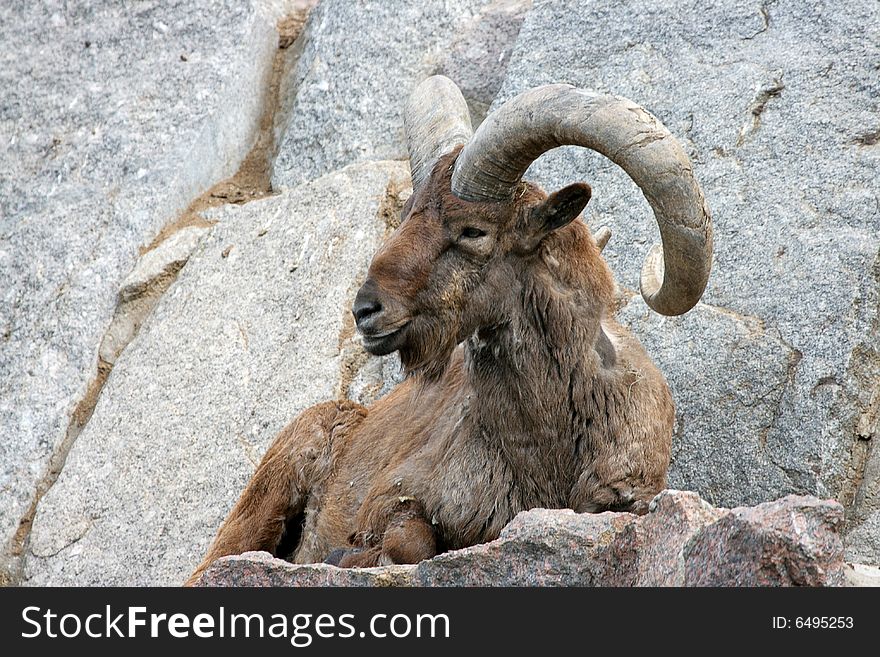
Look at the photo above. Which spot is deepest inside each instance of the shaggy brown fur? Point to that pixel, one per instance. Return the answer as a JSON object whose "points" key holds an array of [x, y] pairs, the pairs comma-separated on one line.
{"points": [[521, 392]]}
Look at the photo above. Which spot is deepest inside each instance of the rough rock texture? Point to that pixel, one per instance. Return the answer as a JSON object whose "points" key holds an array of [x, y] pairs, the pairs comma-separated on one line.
{"points": [[654, 544], [143, 287], [359, 63], [861, 575], [238, 345], [477, 58], [776, 374], [681, 541], [793, 540], [538, 548], [114, 117], [262, 569], [863, 542]]}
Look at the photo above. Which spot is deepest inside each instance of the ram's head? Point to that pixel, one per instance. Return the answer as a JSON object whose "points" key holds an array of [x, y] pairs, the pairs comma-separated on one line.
{"points": [[472, 224]]}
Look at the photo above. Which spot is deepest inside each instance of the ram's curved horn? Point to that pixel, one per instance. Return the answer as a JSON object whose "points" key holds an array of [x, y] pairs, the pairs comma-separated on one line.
{"points": [[436, 120], [491, 165]]}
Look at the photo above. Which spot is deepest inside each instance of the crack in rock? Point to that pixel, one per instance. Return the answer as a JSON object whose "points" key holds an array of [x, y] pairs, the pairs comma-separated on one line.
{"points": [[759, 104], [160, 263], [765, 20], [754, 325], [868, 139], [860, 490]]}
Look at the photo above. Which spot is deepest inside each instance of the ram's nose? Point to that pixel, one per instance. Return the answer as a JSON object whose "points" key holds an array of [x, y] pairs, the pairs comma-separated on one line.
{"points": [[367, 307]]}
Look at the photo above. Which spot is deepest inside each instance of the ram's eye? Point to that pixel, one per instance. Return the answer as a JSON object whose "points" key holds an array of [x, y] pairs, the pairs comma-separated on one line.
{"points": [[472, 233]]}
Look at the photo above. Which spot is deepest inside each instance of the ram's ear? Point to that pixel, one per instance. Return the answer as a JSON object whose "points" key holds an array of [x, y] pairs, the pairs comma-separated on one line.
{"points": [[561, 207]]}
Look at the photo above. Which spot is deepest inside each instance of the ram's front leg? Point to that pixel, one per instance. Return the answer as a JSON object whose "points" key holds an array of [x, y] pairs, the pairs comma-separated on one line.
{"points": [[276, 495], [408, 538], [627, 492]]}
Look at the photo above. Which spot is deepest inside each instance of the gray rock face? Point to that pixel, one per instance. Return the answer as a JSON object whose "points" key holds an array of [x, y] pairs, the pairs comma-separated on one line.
{"points": [[682, 541], [477, 58], [256, 328], [143, 287], [776, 373], [863, 542], [114, 117], [359, 63], [861, 575]]}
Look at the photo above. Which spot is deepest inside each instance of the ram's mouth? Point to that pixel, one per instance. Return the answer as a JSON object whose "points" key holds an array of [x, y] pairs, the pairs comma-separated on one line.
{"points": [[383, 343]]}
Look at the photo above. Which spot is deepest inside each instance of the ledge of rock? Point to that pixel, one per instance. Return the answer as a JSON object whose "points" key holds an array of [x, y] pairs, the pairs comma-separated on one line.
{"points": [[682, 541]]}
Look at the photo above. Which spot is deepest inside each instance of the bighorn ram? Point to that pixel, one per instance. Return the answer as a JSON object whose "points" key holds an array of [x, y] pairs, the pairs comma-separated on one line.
{"points": [[521, 390]]}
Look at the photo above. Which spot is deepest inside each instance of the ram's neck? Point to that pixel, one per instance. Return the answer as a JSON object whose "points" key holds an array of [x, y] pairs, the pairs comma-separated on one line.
{"points": [[531, 374], [521, 370]]}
